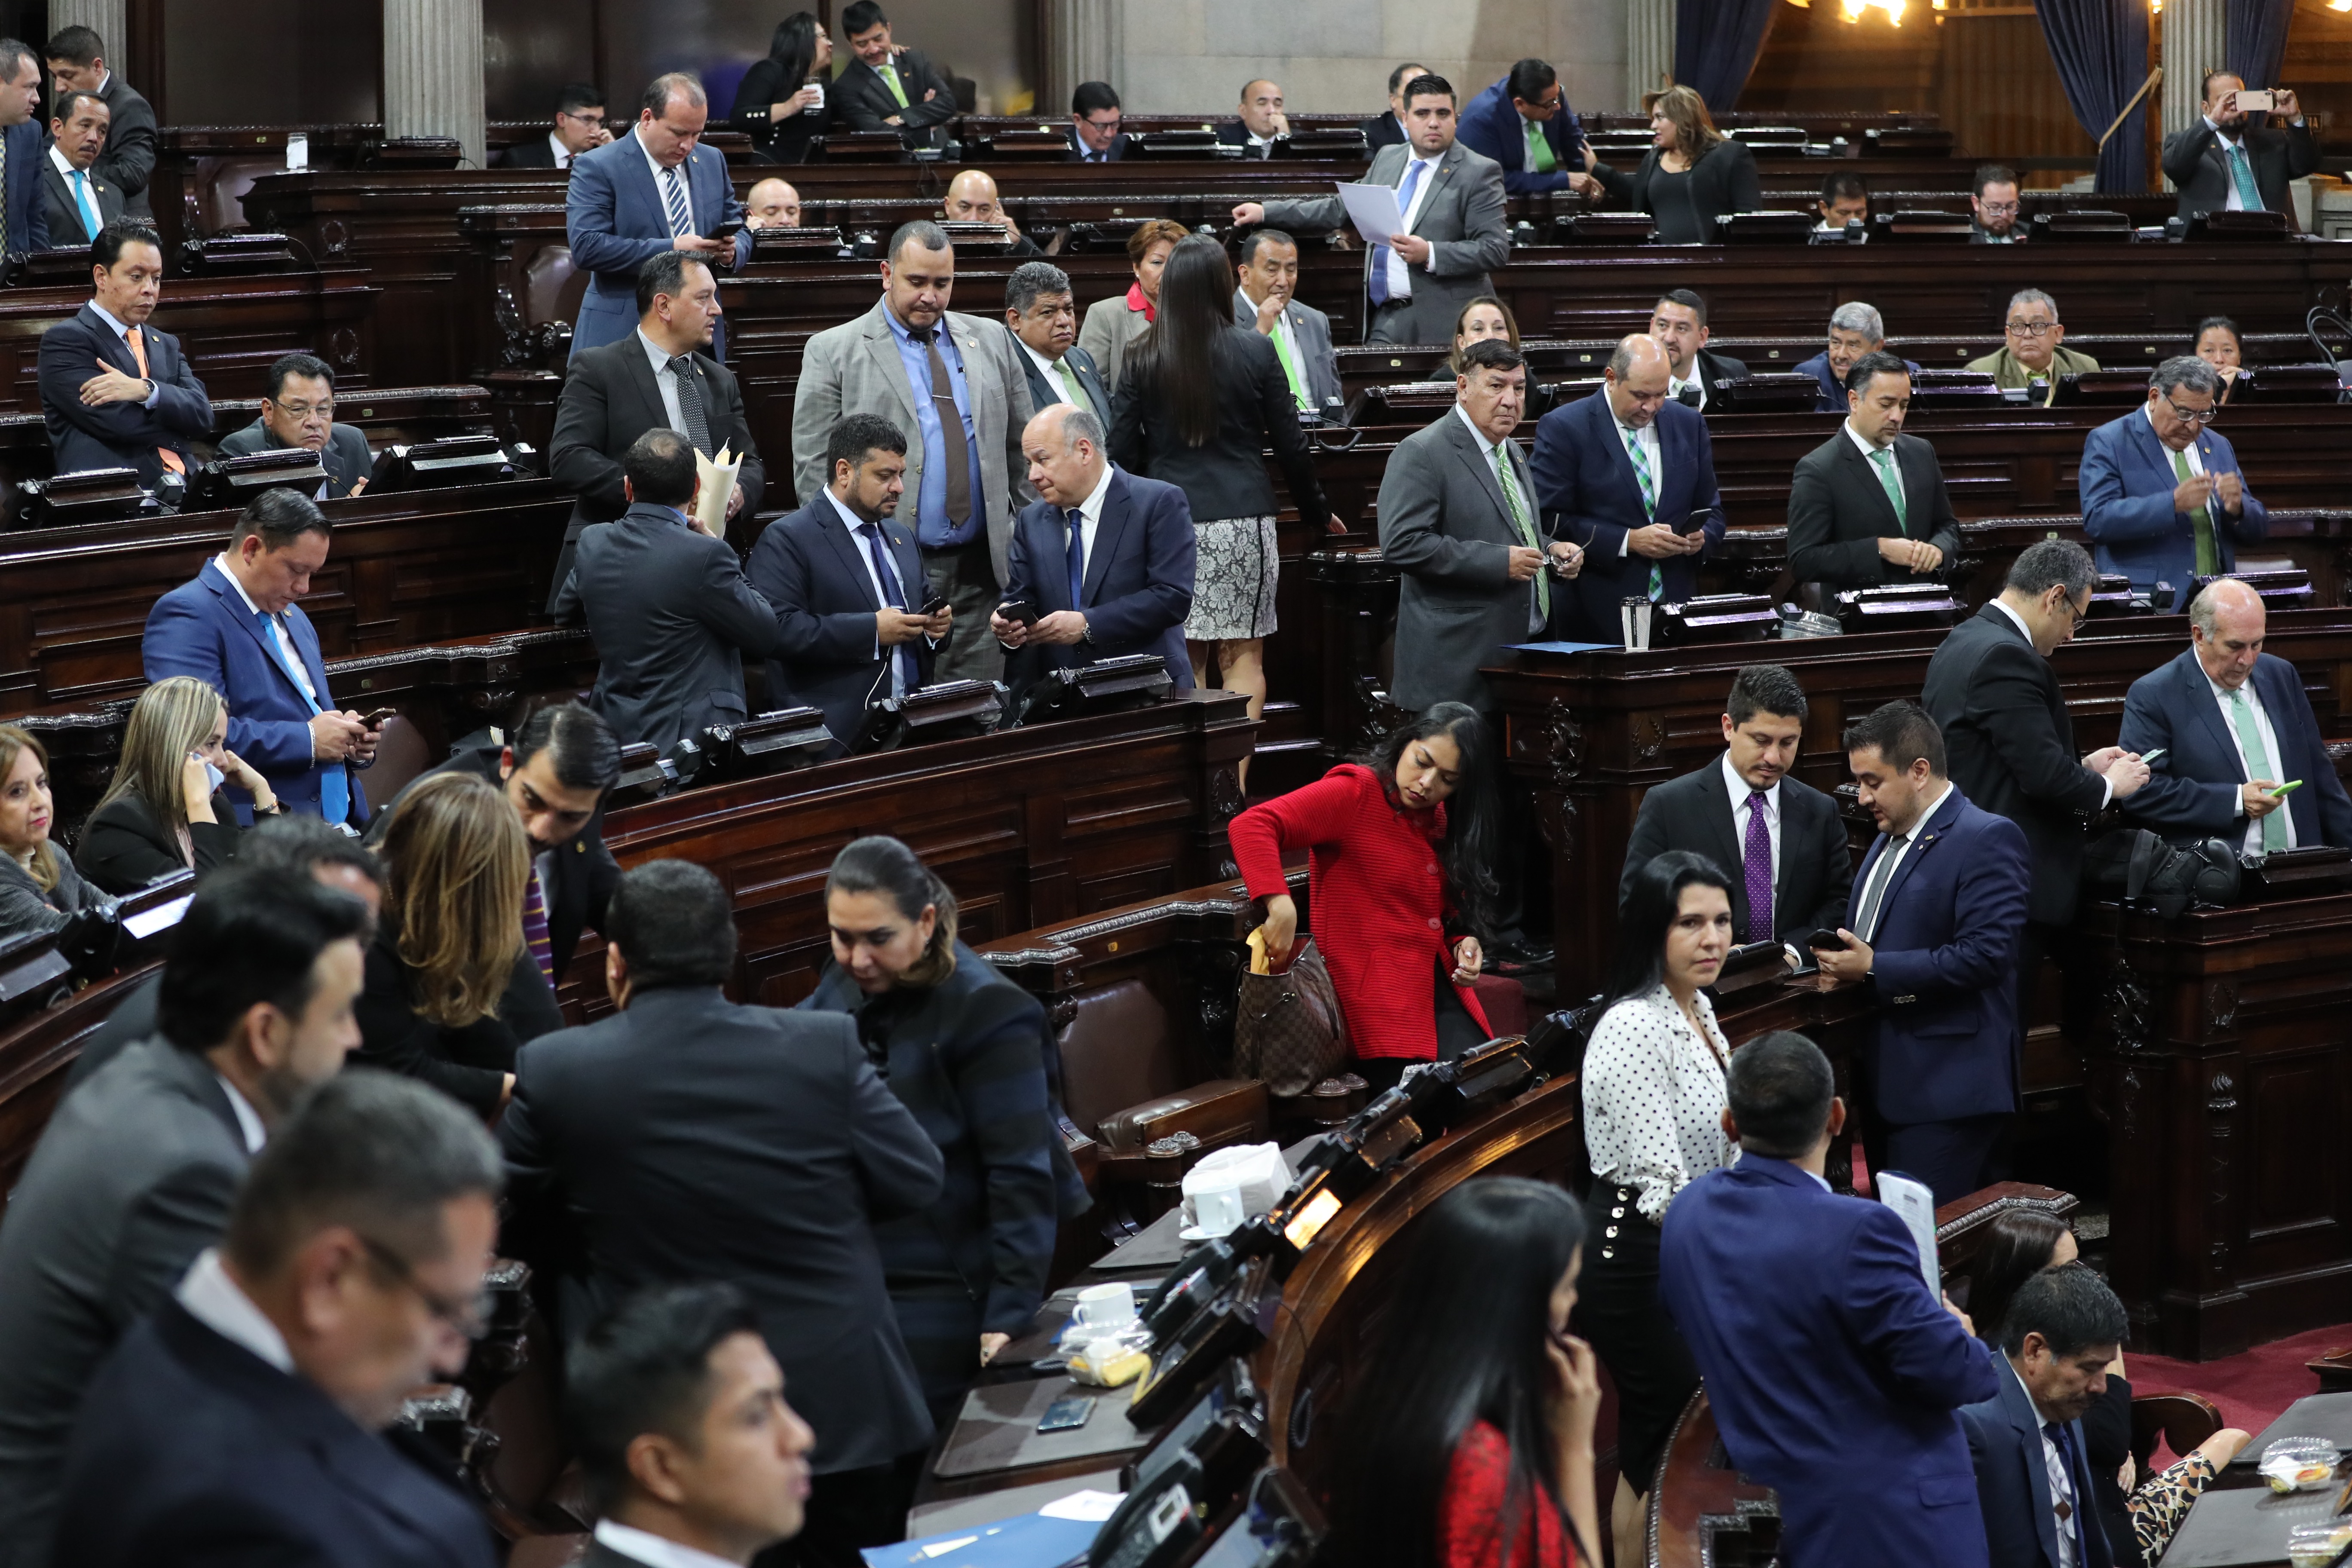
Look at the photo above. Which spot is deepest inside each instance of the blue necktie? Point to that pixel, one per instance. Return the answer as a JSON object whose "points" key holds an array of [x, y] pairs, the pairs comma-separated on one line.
{"points": [[83, 203], [1078, 558], [2063, 1434], [910, 674], [334, 783], [1380, 252]]}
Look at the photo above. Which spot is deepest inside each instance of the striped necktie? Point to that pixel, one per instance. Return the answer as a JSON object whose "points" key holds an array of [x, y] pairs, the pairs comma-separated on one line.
{"points": [[534, 928], [674, 203], [1504, 471]]}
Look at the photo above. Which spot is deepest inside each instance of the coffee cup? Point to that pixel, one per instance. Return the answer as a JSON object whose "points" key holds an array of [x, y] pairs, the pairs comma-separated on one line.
{"points": [[1108, 1306], [1220, 1210]]}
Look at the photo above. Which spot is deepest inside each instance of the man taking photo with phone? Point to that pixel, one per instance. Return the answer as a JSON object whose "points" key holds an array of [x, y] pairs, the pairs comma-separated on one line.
{"points": [[2227, 160]]}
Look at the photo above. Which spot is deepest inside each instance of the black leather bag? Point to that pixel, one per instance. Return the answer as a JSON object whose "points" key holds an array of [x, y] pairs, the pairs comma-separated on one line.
{"points": [[2172, 878]]}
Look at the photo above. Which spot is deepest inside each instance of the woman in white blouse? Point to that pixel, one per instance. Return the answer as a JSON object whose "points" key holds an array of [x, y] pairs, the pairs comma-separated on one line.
{"points": [[1654, 1104]]}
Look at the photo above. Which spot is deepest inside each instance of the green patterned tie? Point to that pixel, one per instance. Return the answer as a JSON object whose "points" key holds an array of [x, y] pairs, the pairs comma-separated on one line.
{"points": [[2209, 560], [1539, 158], [1503, 472], [1649, 500], [1883, 461], [1289, 367], [2241, 175], [2257, 764]]}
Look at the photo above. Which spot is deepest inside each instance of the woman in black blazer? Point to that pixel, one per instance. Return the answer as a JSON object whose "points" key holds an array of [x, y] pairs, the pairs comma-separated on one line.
{"points": [[1200, 402], [1692, 176], [164, 811], [782, 105]]}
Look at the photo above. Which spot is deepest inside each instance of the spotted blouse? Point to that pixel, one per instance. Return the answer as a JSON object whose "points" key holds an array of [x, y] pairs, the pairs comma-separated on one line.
{"points": [[1653, 1099]]}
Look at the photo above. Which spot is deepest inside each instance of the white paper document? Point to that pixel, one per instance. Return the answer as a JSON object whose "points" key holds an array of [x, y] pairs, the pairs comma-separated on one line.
{"points": [[1373, 210], [1916, 1204], [1089, 1507], [717, 476]]}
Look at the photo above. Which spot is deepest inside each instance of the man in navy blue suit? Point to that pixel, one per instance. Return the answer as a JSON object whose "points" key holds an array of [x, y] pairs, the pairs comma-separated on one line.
{"points": [[244, 1421], [1936, 917], [2064, 1328], [839, 574], [1628, 474], [1524, 123], [1106, 558], [2163, 497], [23, 208], [656, 189], [115, 393], [2233, 724], [1832, 1371], [237, 628]]}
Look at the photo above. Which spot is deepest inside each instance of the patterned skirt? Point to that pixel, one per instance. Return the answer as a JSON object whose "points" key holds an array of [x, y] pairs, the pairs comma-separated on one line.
{"points": [[1233, 584]]}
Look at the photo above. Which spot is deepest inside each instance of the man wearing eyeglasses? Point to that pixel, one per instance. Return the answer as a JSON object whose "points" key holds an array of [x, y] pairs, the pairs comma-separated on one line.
{"points": [[2034, 347], [297, 412], [2163, 497], [1994, 208], [1094, 120], [1524, 123]]}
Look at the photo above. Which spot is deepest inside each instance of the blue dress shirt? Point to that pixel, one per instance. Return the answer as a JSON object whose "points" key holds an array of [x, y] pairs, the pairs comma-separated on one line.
{"points": [[933, 527]]}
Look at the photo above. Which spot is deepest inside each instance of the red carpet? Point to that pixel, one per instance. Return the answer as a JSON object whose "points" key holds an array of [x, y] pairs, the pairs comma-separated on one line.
{"points": [[2250, 1388]]}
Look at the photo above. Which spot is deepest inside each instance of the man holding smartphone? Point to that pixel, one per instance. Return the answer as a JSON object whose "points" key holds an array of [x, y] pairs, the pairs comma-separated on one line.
{"points": [[2226, 162]]}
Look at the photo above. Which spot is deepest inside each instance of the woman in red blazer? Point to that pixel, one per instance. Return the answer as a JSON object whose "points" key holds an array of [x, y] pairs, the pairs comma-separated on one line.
{"points": [[1400, 855]]}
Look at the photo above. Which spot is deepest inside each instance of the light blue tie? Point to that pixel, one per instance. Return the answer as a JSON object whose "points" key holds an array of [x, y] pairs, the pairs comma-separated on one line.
{"points": [[1404, 208], [334, 784], [681, 215], [88, 207]]}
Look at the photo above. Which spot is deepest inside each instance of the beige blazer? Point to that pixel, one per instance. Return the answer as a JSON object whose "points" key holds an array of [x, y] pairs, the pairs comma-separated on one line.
{"points": [[1108, 329]]}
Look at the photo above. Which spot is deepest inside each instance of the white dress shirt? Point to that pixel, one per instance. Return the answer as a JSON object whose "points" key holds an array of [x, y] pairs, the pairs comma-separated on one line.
{"points": [[654, 1551], [1399, 275], [563, 153], [1653, 1099], [1519, 481], [213, 1299], [1892, 858], [293, 664], [2254, 845], [2196, 463], [248, 1121], [661, 187], [122, 331], [1861, 444], [666, 379], [1645, 441], [2107, 785], [1742, 803]]}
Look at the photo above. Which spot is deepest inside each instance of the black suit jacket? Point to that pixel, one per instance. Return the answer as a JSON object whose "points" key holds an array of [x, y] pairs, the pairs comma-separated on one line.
{"points": [[1114, 154], [687, 1138], [1255, 413], [2011, 746], [1090, 382], [610, 398], [1233, 134], [118, 434], [132, 1178], [1713, 367], [1693, 813], [468, 1063], [531, 152], [66, 224], [864, 101], [125, 846], [1838, 511], [1725, 181], [784, 141], [581, 874], [815, 577], [1382, 130], [193, 1450], [128, 162], [2193, 161]]}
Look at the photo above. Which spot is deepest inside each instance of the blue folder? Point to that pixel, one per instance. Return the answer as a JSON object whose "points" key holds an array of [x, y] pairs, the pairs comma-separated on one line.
{"points": [[1026, 1540]]}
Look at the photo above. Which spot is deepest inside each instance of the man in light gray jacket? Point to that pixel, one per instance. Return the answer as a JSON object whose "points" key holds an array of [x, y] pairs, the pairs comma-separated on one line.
{"points": [[1454, 226], [1266, 302], [951, 384]]}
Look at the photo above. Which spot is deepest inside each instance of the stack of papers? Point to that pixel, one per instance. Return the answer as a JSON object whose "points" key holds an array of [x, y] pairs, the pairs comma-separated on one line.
{"points": [[717, 476]]}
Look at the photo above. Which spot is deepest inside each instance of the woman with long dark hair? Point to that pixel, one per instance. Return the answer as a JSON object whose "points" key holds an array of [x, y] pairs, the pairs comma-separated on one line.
{"points": [[782, 105], [1692, 175], [1399, 852], [1469, 1437], [1653, 1104], [2140, 1516], [1200, 400], [970, 1054]]}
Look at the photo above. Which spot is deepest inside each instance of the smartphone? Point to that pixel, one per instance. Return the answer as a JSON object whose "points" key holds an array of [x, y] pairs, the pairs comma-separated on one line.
{"points": [[2288, 789], [2253, 100], [1066, 1414], [935, 604], [726, 229], [375, 720], [1826, 938], [1020, 610], [2151, 756]]}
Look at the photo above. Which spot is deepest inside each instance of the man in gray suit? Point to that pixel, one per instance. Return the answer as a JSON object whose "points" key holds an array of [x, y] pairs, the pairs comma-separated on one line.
{"points": [[1454, 226], [1458, 518], [954, 384], [134, 1174], [1263, 302], [667, 603], [80, 203], [299, 412]]}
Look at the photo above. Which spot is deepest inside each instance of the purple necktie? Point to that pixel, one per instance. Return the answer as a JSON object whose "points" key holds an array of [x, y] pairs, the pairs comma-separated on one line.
{"points": [[534, 927], [1759, 870]]}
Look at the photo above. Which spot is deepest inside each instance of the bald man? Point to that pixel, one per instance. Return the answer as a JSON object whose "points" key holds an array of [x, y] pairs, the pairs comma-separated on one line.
{"points": [[773, 204], [1629, 474], [971, 199], [1262, 123], [2233, 725]]}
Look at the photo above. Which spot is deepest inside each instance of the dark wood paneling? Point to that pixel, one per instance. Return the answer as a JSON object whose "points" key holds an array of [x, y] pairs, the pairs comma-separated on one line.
{"points": [[272, 62]]}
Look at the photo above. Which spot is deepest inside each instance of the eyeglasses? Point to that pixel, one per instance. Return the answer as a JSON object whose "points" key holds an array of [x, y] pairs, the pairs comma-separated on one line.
{"points": [[2189, 415], [325, 410], [1998, 210], [2032, 328], [2082, 615], [1105, 126], [470, 1319]]}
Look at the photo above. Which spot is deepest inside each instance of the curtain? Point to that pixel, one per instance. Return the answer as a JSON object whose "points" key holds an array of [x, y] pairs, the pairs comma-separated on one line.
{"points": [[2100, 48], [2255, 38], [1715, 46]]}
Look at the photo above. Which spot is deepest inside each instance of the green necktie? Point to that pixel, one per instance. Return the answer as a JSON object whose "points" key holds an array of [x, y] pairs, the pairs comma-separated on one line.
{"points": [[2257, 764], [1290, 367], [2209, 560], [1519, 521], [1643, 476], [889, 75], [1069, 381], [1539, 158], [1883, 461]]}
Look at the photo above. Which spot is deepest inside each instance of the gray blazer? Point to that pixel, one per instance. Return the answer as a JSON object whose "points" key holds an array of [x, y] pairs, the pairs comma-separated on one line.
{"points": [[1443, 525], [1105, 332], [1311, 330], [132, 1178], [672, 617], [346, 459], [25, 907], [1462, 217], [855, 368]]}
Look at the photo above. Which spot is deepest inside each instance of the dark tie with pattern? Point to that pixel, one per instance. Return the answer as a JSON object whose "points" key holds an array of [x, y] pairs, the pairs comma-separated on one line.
{"points": [[689, 405], [892, 596], [1758, 855], [955, 451], [1077, 557]]}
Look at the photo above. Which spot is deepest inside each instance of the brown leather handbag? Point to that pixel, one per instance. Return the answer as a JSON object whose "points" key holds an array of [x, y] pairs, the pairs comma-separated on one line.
{"points": [[1287, 1028]]}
